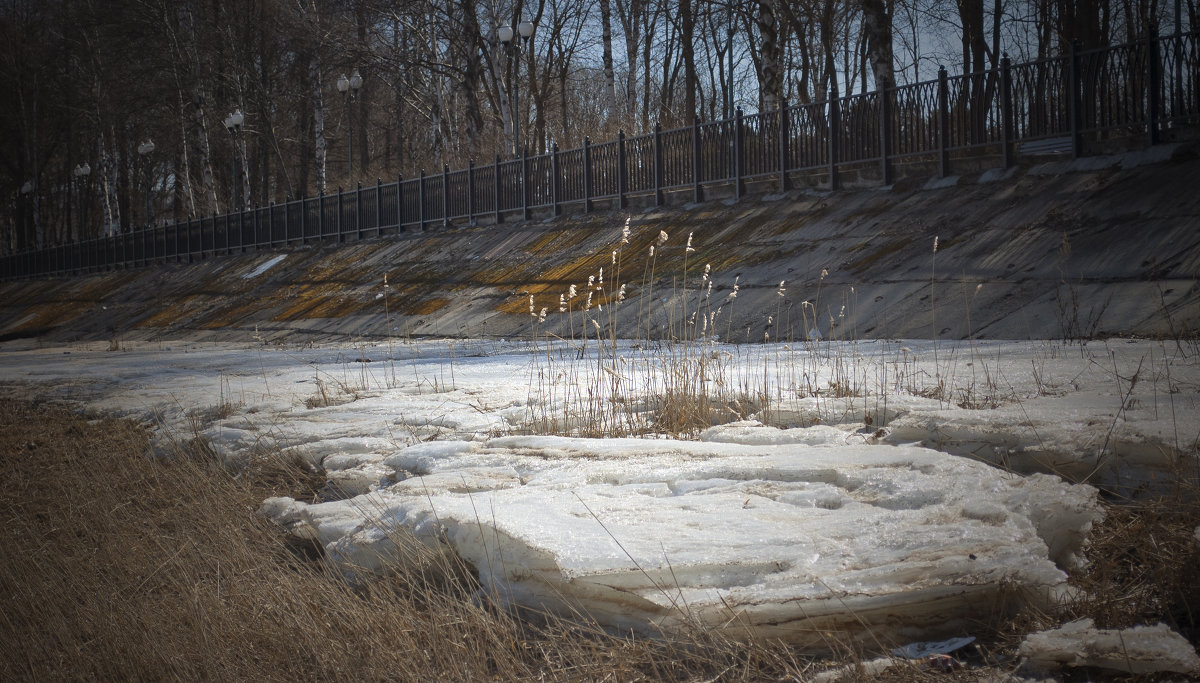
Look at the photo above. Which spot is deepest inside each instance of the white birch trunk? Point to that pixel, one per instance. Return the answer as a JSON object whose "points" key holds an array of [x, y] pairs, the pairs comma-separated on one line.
{"points": [[319, 143]]}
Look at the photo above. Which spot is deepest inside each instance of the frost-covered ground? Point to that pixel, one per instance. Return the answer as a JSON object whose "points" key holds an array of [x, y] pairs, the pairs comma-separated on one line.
{"points": [[881, 489]]}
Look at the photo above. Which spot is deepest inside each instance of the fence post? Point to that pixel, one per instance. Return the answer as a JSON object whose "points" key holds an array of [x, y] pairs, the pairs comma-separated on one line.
{"points": [[496, 189], [554, 172], [587, 174], [212, 242], [622, 181], [658, 165], [340, 227], [470, 192], [378, 206], [784, 185], [445, 195], [399, 202], [321, 216], [1075, 100], [1154, 85], [421, 199], [833, 132], [1006, 111], [358, 226], [738, 153], [943, 116], [525, 183], [885, 135], [303, 219], [697, 166], [255, 228]]}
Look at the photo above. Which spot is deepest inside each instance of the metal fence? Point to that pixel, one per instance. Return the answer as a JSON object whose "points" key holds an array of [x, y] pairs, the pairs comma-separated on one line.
{"points": [[1142, 89]]}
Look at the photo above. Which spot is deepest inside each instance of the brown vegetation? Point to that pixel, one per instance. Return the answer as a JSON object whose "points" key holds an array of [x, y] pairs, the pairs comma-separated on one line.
{"points": [[120, 564]]}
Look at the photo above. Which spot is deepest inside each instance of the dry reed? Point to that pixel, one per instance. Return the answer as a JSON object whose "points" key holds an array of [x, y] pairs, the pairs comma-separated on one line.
{"points": [[120, 564]]}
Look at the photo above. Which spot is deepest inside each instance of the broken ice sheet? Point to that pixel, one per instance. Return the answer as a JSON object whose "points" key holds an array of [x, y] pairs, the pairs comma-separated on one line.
{"points": [[800, 542], [1137, 650]]}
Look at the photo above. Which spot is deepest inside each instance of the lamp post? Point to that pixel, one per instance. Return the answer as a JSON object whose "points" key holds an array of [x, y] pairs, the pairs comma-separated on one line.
{"points": [[233, 123], [81, 173], [505, 33], [145, 149], [729, 49], [349, 86], [31, 209]]}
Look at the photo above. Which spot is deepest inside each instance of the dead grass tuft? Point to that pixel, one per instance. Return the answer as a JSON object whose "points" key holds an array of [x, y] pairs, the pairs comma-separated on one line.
{"points": [[1144, 566], [122, 565]]}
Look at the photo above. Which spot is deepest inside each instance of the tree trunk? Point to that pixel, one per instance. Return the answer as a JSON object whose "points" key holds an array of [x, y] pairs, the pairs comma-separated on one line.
{"points": [[687, 42], [318, 103], [472, 72], [610, 81], [630, 13], [769, 78], [877, 26]]}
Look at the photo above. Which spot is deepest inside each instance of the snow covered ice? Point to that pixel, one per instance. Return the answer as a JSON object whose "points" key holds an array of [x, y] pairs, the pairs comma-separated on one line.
{"points": [[864, 502], [1137, 650]]}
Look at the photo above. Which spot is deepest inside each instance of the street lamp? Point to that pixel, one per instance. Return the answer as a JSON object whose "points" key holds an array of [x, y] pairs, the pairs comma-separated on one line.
{"points": [[26, 192], [81, 172], [349, 86], [505, 34], [233, 123], [145, 149]]}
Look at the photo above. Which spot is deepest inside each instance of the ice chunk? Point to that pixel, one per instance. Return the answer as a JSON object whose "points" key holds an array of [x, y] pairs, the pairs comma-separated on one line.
{"points": [[881, 543], [1137, 650], [752, 432]]}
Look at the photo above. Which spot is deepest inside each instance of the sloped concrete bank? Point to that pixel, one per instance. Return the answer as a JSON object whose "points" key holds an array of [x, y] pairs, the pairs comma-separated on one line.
{"points": [[1100, 246]]}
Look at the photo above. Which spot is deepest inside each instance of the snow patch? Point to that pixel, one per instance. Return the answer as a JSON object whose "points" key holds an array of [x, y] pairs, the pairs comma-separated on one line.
{"points": [[264, 267]]}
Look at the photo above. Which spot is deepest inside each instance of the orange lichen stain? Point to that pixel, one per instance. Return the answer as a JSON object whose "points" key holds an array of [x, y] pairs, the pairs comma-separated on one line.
{"points": [[52, 315], [327, 300], [861, 265], [96, 288], [346, 264], [557, 241], [425, 307], [172, 312]]}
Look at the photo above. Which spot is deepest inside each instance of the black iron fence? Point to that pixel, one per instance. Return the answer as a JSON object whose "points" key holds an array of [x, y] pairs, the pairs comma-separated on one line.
{"points": [[1146, 89]]}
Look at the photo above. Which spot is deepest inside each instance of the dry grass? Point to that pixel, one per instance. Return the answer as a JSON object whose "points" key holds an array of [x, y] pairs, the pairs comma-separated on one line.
{"points": [[121, 565], [1144, 566]]}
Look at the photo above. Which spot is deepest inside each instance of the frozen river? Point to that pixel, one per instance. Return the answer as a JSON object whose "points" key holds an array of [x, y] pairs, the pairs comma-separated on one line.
{"points": [[858, 490]]}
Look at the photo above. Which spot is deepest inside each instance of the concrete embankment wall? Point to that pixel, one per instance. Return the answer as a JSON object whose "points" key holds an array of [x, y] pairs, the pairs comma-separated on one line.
{"points": [[1101, 246]]}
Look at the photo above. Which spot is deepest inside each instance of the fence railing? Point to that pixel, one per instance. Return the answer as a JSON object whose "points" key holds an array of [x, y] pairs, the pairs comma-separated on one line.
{"points": [[1143, 89]]}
